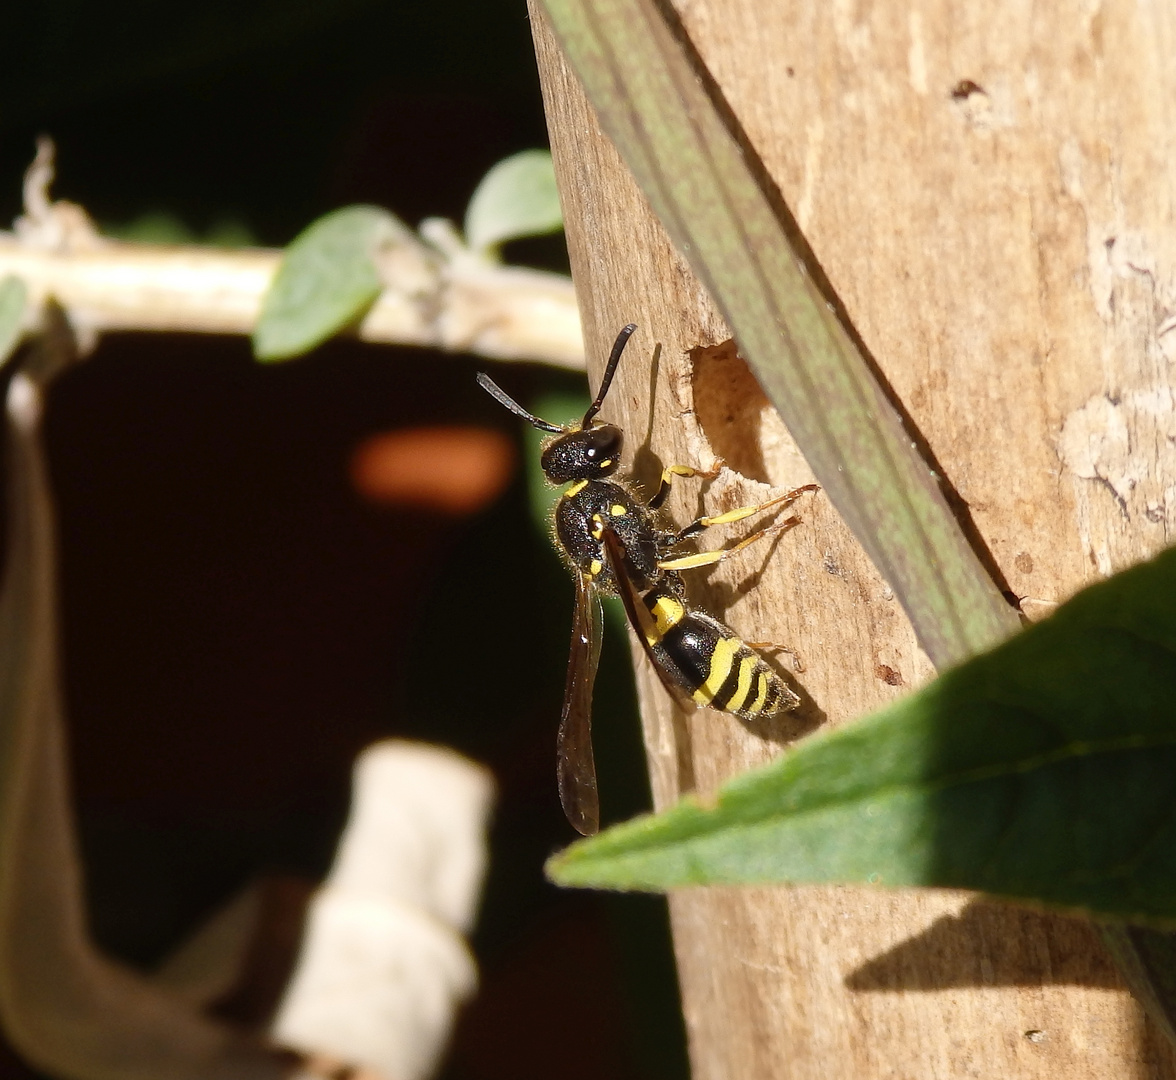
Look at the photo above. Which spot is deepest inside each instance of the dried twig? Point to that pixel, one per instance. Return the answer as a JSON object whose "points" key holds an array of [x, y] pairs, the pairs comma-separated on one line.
{"points": [[70, 1010], [103, 285]]}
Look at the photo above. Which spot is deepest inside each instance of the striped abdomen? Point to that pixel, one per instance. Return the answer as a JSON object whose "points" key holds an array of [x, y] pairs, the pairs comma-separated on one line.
{"points": [[707, 659]]}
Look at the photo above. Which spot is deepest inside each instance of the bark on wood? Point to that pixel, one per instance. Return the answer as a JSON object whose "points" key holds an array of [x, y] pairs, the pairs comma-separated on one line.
{"points": [[992, 192]]}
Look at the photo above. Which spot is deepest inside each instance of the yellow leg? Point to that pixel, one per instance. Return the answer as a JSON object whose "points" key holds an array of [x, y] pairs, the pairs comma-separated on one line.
{"points": [[695, 527], [747, 511], [709, 558], [667, 478], [775, 646]]}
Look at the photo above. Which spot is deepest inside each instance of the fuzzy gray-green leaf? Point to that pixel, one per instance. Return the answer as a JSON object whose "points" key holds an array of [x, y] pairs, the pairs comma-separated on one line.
{"points": [[13, 297], [516, 198], [326, 280]]}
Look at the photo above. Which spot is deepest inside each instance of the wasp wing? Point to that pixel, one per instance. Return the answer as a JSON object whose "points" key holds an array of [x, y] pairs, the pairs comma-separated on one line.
{"points": [[575, 765], [639, 617]]}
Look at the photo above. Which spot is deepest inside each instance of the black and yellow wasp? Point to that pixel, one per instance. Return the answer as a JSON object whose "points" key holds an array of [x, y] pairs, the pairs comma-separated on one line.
{"points": [[614, 544]]}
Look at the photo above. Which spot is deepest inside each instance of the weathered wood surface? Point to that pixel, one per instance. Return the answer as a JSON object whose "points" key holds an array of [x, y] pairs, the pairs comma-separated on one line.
{"points": [[991, 190]]}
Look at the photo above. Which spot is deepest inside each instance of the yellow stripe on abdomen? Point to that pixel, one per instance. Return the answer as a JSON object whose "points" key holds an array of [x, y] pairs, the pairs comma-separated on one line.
{"points": [[667, 613], [747, 668], [761, 696], [720, 667]]}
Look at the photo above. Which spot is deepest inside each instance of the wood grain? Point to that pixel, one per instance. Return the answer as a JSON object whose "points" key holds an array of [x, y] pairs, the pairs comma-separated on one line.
{"points": [[991, 190]]}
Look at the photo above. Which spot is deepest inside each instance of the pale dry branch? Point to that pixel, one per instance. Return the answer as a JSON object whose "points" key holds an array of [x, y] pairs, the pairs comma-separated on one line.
{"points": [[104, 285]]}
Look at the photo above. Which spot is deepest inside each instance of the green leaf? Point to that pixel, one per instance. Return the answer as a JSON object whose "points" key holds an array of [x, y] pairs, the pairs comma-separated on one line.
{"points": [[153, 227], [555, 408], [516, 198], [13, 297], [1147, 960], [164, 227], [700, 182], [1044, 771], [561, 408], [327, 279], [230, 232]]}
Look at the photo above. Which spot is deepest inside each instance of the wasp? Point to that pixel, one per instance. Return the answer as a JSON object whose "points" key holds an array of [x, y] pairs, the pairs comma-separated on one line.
{"points": [[615, 544]]}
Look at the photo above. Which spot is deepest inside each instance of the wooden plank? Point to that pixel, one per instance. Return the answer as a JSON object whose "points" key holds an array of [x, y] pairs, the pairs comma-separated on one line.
{"points": [[990, 190]]}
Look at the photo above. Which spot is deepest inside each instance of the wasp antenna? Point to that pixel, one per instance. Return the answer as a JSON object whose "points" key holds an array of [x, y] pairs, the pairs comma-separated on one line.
{"points": [[503, 398], [610, 370]]}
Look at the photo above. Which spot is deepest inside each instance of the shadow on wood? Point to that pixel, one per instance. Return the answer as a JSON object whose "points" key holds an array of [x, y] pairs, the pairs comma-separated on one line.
{"points": [[986, 945]]}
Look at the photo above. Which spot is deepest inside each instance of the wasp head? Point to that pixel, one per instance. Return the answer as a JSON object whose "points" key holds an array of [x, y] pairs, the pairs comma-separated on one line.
{"points": [[586, 451], [582, 454]]}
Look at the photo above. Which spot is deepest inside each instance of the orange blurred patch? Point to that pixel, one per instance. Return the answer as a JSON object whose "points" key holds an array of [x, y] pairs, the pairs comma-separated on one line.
{"points": [[455, 469]]}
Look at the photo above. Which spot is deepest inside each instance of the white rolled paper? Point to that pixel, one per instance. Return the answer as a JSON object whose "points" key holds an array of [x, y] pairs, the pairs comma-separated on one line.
{"points": [[384, 965]]}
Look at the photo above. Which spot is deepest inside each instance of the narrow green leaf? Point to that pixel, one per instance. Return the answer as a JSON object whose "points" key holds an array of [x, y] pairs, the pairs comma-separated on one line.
{"points": [[1147, 959], [1041, 771], [701, 185], [327, 279], [13, 297], [516, 198]]}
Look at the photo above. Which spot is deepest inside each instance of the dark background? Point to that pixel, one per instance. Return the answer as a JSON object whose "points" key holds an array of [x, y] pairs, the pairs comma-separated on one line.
{"points": [[238, 621]]}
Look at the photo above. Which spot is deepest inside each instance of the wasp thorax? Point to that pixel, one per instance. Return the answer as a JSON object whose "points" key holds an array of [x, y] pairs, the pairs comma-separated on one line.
{"points": [[585, 454]]}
